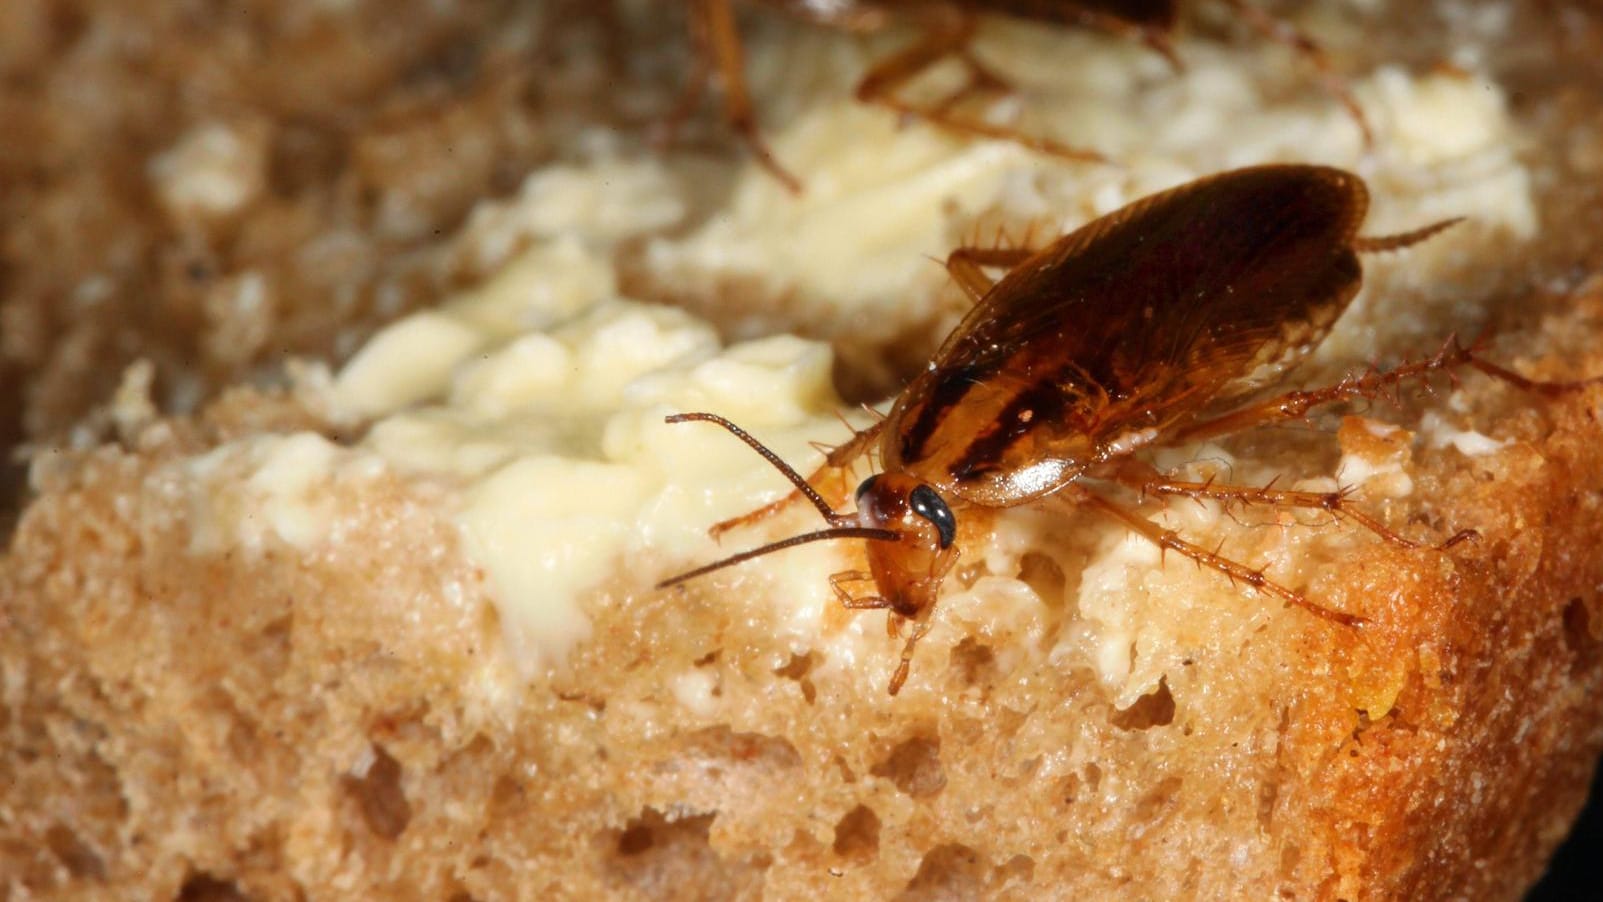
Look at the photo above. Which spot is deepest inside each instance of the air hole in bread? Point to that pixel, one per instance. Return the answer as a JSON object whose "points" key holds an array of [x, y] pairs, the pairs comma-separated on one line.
{"points": [[73, 853], [1159, 802], [640, 836], [203, 887], [973, 661], [664, 856], [1289, 856], [1268, 795], [1155, 709], [857, 834], [950, 871], [914, 766], [507, 799], [747, 750], [1581, 629], [379, 796], [1069, 789], [1045, 575], [1093, 776], [797, 668], [1018, 872]]}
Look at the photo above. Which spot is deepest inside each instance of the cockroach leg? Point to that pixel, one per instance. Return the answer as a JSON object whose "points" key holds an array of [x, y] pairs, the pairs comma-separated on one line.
{"points": [[861, 441], [1296, 404], [718, 41], [982, 80], [921, 627], [967, 266], [892, 623], [1283, 32], [1337, 503], [837, 582], [1534, 386], [1236, 572], [760, 514], [1159, 43], [946, 36]]}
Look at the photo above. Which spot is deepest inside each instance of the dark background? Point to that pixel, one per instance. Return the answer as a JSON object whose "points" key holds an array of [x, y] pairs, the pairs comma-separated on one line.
{"points": [[1577, 870]]}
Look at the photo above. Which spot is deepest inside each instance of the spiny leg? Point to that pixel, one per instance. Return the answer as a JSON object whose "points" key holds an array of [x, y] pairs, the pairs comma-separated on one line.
{"points": [[838, 458], [1283, 32], [967, 266], [946, 36], [1147, 480], [982, 80], [875, 603], [1158, 41], [1296, 404], [1169, 540], [943, 36], [714, 23]]}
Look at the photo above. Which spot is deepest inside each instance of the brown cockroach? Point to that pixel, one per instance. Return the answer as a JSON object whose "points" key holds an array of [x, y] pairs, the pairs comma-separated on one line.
{"points": [[948, 30], [1159, 324]]}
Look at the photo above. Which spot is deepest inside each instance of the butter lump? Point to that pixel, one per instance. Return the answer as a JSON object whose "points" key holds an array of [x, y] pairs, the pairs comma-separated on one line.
{"points": [[552, 439]]}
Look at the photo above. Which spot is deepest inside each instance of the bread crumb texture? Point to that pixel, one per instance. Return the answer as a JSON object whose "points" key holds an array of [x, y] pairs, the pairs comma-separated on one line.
{"points": [[333, 710], [386, 627]]}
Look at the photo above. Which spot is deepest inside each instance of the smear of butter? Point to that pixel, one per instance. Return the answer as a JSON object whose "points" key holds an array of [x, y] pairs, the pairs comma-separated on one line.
{"points": [[271, 485], [1468, 442], [1380, 472], [553, 433], [1111, 601], [544, 526], [406, 363]]}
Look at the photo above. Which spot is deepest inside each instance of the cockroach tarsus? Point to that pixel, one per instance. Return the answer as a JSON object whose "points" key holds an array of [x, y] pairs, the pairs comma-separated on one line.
{"points": [[1160, 324], [947, 31]]}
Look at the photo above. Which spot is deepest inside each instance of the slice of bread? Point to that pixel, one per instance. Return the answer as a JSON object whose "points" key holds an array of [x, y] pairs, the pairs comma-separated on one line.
{"points": [[391, 630]]}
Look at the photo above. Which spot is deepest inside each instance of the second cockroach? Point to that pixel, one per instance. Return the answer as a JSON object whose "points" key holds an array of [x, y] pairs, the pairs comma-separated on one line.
{"points": [[948, 28]]}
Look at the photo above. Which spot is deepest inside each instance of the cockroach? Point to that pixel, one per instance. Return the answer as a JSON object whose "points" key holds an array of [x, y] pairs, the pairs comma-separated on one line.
{"points": [[1159, 324], [1162, 323], [948, 29]]}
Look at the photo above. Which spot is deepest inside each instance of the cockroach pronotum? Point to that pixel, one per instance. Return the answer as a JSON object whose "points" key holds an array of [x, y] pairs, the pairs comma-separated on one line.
{"points": [[948, 28], [1159, 324]]}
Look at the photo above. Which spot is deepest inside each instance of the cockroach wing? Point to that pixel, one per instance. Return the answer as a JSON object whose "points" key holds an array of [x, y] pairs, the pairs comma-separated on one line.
{"points": [[1130, 325]]}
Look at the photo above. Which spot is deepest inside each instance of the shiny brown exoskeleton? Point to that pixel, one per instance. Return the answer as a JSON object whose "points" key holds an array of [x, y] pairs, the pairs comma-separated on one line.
{"points": [[1154, 325], [948, 29]]}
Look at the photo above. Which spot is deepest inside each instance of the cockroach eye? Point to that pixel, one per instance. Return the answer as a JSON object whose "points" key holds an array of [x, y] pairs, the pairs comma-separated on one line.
{"points": [[863, 489], [929, 505]]}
